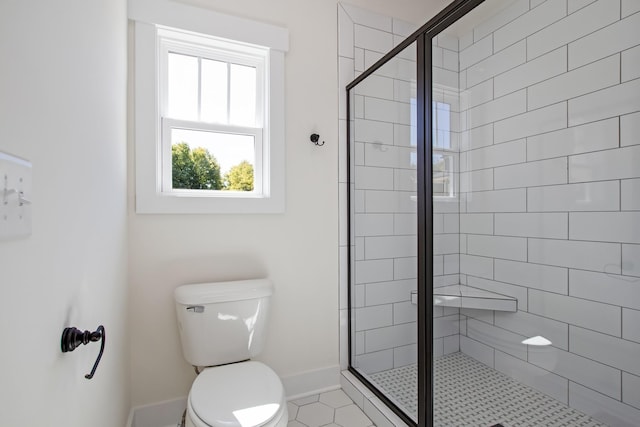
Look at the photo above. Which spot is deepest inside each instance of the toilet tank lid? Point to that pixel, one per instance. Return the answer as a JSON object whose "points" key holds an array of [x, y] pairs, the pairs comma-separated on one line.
{"points": [[206, 293]]}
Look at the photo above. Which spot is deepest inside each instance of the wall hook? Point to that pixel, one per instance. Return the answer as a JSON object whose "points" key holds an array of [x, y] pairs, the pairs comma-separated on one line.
{"points": [[315, 138], [73, 337]]}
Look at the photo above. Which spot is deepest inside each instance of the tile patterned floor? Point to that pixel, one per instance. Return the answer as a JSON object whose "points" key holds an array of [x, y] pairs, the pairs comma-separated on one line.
{"points": [[330, 409], [469, 393]]}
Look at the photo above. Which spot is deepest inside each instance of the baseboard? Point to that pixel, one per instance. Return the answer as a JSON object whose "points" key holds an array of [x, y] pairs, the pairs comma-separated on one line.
{"points": [[311, 382], [130, 419], [166, 413], [296, 386]]}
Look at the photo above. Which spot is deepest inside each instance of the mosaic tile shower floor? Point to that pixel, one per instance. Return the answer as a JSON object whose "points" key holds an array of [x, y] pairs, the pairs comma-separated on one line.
{"points": [[469, 393]]}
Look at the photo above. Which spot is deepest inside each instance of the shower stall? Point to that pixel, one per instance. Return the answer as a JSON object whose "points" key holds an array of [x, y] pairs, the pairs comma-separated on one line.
{"points": [[494, 217]]}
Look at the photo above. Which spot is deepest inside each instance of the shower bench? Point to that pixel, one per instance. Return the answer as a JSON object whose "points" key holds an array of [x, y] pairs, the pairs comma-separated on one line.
{"points": [[461, 296]]}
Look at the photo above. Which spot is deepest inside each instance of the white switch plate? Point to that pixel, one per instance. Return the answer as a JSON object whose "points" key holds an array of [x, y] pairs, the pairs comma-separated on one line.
{"points": [[15, 197]]}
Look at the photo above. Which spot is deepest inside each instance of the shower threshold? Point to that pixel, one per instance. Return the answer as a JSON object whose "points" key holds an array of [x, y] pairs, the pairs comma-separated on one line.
{"points": [[469, 393]]}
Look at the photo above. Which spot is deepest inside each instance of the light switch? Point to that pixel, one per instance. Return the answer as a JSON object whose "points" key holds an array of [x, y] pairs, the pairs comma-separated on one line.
{"points": [[15, 197]]}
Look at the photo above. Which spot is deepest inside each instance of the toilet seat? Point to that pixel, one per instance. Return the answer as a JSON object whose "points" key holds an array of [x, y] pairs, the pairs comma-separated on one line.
{"points": [[246, 394]]}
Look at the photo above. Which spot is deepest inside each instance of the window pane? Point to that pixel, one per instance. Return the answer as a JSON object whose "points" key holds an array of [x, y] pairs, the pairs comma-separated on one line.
{"points": [[443, 168], [205, 160], [441, 125], [243, 95], [182, 96], [214, 91]]}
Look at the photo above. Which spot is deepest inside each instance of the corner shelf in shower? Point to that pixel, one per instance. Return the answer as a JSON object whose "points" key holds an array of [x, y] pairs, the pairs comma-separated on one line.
{"points": [[461, 296]]}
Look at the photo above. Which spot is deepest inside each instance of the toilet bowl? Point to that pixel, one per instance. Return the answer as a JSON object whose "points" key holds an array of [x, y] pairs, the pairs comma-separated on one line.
{"points": [[245, 394], [221, 328]]}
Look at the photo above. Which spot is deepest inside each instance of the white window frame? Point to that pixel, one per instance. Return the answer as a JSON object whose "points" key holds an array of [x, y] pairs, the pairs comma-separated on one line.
{"points": [[172, 41], [152, 129]]}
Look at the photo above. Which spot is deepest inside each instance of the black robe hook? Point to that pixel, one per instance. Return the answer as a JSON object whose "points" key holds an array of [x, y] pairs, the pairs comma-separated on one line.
{"points": [[315, 138], [73, 337]]}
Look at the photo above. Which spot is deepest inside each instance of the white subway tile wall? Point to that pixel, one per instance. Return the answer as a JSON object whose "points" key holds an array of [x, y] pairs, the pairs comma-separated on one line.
{"points": [[543, 104], [559, 218], [386, 178], [384, 191]]}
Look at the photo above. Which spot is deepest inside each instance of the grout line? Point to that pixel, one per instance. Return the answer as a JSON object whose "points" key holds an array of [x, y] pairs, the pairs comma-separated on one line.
{"points": [[620, 194], [619, 131]]}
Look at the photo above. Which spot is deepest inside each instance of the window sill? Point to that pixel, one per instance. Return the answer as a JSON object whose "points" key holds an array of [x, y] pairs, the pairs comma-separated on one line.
{"points": [[189, 204]]}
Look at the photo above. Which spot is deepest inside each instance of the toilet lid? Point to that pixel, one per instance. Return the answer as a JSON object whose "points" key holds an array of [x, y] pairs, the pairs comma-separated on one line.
{"points": [[247, 394]]}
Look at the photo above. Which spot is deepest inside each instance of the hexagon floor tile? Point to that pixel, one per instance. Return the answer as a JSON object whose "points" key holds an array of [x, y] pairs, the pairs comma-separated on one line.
{"points": [[330, 409]]}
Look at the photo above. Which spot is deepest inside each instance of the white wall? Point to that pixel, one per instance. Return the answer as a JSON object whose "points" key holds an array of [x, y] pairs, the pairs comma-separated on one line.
{"points": [[298, 250], [62, 106]]}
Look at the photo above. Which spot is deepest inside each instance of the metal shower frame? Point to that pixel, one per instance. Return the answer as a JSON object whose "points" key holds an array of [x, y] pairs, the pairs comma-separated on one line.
{"points": [[422, 37]]}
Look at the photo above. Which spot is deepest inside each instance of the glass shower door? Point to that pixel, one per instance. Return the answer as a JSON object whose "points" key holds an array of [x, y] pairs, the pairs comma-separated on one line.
{"points": [[536, 223], [383, 259]]}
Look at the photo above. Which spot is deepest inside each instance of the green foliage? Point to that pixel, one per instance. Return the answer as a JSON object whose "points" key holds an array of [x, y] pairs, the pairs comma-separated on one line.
{"points": [[240, 177], [195, 169], [198, 169]]}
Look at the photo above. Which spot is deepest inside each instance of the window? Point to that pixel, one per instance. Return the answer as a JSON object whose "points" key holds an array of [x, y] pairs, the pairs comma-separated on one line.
{"points": [[212, 114], [209, 121], [444, 153], [444, 148]]}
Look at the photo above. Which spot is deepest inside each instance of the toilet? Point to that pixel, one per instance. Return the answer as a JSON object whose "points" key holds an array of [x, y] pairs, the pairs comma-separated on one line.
{"points": [[222, 327]]}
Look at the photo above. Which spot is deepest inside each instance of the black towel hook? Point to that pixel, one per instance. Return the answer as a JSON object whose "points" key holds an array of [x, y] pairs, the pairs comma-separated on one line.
{"points": [[73, 337], [315, 138]]}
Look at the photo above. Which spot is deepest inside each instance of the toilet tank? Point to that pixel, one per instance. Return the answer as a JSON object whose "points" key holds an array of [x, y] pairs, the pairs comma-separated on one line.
{"points": [[222, 322]]}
